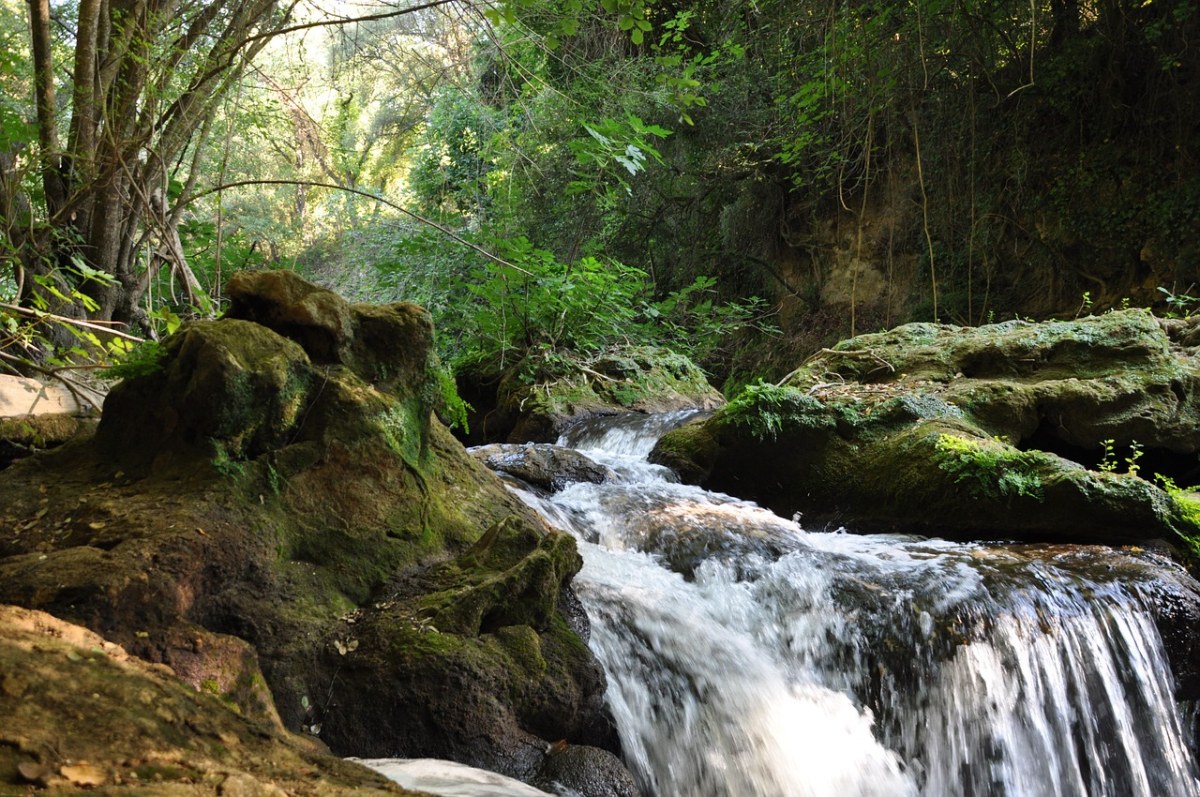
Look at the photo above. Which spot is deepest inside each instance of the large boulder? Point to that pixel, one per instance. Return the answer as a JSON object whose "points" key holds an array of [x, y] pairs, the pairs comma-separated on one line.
{"points": [[276, 474], [1033, 431], [450, 640], [536, 401]]}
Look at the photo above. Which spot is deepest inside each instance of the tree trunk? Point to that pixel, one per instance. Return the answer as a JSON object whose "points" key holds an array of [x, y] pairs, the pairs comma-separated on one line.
{"points": [[47, 114]]}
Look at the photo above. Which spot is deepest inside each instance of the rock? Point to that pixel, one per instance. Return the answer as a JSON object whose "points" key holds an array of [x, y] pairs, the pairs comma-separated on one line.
{"points": [[538, 404], [80, 713], [968, 432], [22, 397], [229, 390], [244, 504], [36, 415], [542, 465], [25, 435], [587, 771], [315, 318], [450, 640]]}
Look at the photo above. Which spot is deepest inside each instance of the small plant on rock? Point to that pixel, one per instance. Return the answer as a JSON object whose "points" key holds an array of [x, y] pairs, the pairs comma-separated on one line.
{"points": [[991, 467]]}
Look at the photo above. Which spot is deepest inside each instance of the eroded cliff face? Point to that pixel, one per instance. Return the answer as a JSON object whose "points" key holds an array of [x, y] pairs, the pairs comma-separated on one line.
{"points": [[273, 512]]}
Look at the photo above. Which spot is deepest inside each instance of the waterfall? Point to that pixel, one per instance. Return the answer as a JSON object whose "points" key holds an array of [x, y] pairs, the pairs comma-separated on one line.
{"points": [[747, 656]]}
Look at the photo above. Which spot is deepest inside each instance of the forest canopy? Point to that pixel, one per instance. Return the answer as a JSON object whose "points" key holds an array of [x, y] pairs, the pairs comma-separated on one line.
{"points": [[553, 178]]}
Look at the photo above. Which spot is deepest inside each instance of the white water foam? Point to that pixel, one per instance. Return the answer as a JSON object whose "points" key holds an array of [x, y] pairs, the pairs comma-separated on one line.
{"points": [[748, 657]]}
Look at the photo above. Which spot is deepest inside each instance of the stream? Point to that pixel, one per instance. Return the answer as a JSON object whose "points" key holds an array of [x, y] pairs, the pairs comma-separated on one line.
{"points": [[749, 657]]}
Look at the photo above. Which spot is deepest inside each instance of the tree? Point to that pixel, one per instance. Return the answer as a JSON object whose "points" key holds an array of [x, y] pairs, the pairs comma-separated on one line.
{"points": [[146, 80], [146, 77]]}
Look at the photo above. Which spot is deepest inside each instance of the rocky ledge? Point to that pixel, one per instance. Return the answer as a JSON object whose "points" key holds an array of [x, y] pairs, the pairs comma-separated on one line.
{"points": [[1085, 430], [270, 510], [536, 403]]}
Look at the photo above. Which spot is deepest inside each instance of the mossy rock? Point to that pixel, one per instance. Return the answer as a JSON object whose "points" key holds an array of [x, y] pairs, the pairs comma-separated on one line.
{"points": [[479, 662], [242, 498], [996, 431], [82, 715], [23, 435], [225, 388], [540, 407]]}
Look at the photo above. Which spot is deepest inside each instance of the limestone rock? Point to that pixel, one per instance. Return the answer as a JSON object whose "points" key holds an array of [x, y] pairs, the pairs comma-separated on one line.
{"points": [[537, 407], [995, 431], [80, 713], [474, 648]]}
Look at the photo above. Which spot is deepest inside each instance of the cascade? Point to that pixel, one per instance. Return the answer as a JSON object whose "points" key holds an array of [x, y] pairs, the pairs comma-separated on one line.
{"points": [[747, 656]]}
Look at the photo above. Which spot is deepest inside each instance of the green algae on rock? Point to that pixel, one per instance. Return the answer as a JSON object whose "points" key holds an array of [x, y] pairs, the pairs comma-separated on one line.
{"points": [[967, 432], [81, 714], [276, 474], [539, 406]]}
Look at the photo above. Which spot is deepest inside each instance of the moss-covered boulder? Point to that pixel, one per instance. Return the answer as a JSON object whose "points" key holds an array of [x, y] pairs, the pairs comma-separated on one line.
{"points": [[1034, 431], [273, 475], [451, 640], [537, 401]]}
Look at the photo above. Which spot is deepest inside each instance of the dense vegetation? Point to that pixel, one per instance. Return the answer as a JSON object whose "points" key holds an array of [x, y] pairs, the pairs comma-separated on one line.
{"points": [[552, 179]]}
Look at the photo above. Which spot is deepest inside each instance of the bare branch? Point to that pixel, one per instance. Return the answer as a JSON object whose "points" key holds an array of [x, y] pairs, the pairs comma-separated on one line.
{"points": [[421, 219], [100, 326], [347, 20]]}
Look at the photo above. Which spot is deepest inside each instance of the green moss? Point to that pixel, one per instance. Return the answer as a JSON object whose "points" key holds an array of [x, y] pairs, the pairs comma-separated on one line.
{"points": [[224, 460], [446, 401], [990, 467], [405, 432], [767, 411], [144, 359], [690, 451], [522, 644]]}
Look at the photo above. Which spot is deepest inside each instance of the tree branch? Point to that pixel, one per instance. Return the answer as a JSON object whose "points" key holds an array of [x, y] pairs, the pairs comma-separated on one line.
{"points": [[421, 219], [346, 21]]}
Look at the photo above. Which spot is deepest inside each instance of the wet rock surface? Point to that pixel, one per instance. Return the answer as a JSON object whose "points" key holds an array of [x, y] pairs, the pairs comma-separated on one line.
{"points": [[586, 770], [542, 465]]}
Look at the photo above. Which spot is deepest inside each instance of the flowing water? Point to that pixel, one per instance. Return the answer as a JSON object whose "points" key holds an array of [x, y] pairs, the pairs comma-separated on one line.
{"points": [[749, 657]]}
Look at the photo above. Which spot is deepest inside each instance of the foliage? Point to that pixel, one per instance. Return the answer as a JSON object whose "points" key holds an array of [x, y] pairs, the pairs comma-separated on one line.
{"points": [[143, 359], [768, 410], [1187, 503], [1180, 305], [451, 405], [1108, 459], [610, 144], [536, 308], [990, 467]]}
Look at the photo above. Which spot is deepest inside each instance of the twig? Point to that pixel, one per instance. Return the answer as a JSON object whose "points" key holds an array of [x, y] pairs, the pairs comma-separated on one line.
{"points": [[97, 325], [859, 354], [587, 370], [335, 187]]}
